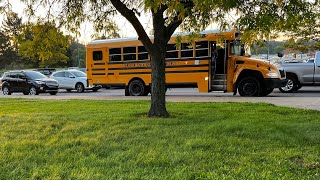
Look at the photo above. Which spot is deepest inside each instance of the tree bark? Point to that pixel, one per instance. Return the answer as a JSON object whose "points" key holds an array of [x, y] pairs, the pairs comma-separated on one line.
{"points": [[158, 83], [158, 68]]}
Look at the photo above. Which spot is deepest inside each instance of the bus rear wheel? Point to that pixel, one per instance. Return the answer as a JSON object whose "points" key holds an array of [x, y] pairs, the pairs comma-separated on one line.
{"points": [[137, 88], [249, 86]]}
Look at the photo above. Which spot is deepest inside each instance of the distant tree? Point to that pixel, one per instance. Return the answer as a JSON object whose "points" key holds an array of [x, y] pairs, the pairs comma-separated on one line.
{"points": [[7, 53], [303, 45], [76, 54], [43, 43], [11, 26]]}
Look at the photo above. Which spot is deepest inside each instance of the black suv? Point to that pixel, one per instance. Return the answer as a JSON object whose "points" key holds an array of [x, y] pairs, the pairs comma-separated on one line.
{"points": [[27, 82]]}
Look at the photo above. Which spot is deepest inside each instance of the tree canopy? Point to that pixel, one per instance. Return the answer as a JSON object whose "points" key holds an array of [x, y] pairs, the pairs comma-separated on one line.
{"points": [[43, 42]]}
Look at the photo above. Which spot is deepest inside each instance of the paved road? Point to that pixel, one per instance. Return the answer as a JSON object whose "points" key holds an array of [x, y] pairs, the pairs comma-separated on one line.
{"points": [[307, 97]]}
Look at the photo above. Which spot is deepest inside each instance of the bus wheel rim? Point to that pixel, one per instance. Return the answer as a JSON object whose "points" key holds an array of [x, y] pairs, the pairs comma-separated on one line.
{"points": [[250, 88]]}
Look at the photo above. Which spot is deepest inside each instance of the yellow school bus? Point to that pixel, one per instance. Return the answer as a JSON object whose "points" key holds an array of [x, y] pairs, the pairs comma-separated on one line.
{"points": [[216, 61]]}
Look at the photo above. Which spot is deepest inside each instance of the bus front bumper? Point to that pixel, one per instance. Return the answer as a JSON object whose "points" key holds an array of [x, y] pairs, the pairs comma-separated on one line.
{"points": [[275, 83]]}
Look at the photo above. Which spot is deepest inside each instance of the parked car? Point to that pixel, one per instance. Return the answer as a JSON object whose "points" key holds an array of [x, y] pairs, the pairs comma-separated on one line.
{"points": [[46, 71], [79, 68], [73, 79], [27, 82], [302, 74]]}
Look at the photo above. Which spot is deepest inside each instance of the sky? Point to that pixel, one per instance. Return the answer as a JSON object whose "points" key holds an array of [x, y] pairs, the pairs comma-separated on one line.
{"points": [[86, 29]]}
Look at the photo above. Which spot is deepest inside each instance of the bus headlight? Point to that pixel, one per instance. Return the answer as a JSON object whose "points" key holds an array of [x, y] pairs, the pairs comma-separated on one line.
{"points": [[273, 74]]}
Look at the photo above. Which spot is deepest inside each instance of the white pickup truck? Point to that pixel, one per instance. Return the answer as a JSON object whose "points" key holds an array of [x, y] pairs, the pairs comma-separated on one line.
{"points": [[302, 74]]}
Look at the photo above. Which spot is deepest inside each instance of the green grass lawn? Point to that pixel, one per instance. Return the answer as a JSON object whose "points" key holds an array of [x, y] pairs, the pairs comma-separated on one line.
{"points": [[81, 139]]}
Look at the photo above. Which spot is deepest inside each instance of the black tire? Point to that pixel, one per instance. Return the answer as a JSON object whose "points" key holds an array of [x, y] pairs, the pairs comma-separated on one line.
{"points": [[249, 86], [79, 87], [266, 92], [6, 90], [53, 93], [68, 90], [147, 91], [299, 87], [33, 91], [126, 91], [292, 85], [94, 90], [137, 88]]}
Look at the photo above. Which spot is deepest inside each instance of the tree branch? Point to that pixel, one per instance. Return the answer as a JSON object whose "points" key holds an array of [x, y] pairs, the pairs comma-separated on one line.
{"points": [[131, 17], [173, 25]]}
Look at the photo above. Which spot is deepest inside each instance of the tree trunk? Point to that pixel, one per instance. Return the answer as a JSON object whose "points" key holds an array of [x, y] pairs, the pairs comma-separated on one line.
{"points": [[158, 82]]}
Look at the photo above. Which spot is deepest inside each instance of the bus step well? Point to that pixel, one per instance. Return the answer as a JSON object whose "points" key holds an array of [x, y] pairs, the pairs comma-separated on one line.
{"points": [[219, 83]]}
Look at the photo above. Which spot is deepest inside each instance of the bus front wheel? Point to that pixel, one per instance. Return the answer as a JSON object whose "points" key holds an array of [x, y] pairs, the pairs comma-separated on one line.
{"points": [[249, 86], [136, 88]]}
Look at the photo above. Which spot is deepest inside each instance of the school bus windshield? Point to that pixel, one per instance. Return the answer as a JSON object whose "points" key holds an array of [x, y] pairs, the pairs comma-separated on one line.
{"points": [[237, 48]]}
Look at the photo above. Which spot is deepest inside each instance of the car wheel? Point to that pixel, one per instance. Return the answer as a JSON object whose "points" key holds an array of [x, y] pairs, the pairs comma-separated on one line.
{"points": [[249, 86], [136, 88], [290, 86], [33, 91], [266, 92], [79, 87], [53, 93], [6, 90]]}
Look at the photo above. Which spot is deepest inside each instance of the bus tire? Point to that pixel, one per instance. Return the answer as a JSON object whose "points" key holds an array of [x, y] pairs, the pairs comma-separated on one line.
{"points": [[249, 86], [137, 88], [147, 91], [126, 91], [266, 92]]}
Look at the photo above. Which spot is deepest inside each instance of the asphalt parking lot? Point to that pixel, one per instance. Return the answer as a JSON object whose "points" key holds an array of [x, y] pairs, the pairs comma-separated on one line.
{"points": [[306, 97]]}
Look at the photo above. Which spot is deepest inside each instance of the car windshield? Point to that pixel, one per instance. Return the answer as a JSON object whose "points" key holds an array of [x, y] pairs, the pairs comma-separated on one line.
{"points": [[35, 75], [79, 74]]}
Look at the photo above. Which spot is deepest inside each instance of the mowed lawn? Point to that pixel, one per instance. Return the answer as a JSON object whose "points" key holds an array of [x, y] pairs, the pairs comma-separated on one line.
{"points": [[86, 139]]}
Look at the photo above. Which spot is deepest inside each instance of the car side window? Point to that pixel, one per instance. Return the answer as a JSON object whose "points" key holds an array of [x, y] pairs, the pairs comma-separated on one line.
{"points": [[21, 76], [68, 74], [59, 74], [13, 75]]}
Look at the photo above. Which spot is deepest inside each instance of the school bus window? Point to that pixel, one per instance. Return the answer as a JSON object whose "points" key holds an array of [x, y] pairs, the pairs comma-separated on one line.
{"points": [[186, 50], [97, 55], [142, 53], [171, 47], [129, 50], [129, 53], [129, 57], [202, 49], [172, 52], [115, 55]]}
